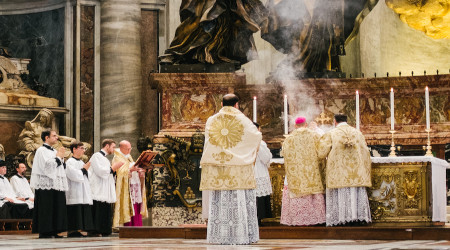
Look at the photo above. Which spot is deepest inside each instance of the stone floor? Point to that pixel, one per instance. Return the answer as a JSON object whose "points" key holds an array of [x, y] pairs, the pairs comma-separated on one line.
{"points": [[32, 242]]}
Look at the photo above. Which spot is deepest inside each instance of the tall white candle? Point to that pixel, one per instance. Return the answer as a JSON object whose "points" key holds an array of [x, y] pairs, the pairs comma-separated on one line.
{"points": [[285, 115], [427, 106], [357, 110], [392, 109], [254, 109]]}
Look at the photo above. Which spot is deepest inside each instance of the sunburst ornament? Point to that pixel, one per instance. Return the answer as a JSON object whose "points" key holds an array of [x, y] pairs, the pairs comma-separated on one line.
{"points": [[226, 131]]}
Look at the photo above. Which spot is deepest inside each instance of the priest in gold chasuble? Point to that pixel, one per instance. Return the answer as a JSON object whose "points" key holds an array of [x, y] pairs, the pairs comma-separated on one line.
{"points": [[303, 201], [131, 205], [231, 145], [347, 173]]}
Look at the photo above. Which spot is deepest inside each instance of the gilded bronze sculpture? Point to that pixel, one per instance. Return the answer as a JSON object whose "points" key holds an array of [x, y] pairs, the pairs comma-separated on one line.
{"points": [[215, 31]]}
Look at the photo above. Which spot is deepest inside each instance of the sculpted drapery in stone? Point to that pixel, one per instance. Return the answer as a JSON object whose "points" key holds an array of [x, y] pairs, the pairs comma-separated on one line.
{"points": [[303, 169], [30, 137], [309, 32], [348, 161], [215, 31]]}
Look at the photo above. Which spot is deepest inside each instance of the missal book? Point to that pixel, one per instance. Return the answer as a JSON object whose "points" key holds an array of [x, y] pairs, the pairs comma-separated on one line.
{"points": [[145, 159]]}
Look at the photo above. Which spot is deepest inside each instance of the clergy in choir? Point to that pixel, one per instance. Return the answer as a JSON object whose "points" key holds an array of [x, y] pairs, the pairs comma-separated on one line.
{"points": [[229, 154], [11, 205], [131, 203], [347, 174], [21, 185], [262, 177], [79, 196], [303, 201], [103, 188], [48, 179]]}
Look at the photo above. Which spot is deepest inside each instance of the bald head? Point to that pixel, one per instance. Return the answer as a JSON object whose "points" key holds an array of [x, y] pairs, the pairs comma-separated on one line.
{"points": [[125, 147], [230, 100]]}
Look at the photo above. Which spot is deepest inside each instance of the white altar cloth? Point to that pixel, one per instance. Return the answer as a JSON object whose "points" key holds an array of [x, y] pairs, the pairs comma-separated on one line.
{"points": [[438, 189]]}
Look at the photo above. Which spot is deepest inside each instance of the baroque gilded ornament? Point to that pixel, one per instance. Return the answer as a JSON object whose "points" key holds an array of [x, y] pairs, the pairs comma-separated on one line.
{"points": [[222, 157], [226, 131]]}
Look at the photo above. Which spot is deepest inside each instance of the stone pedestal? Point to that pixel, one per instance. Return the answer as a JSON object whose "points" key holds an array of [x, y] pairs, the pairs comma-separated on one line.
{"points": [[121, 85]]}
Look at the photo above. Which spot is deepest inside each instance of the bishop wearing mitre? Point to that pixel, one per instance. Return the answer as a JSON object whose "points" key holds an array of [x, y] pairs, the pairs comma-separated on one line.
{"points": [[131, 202]]}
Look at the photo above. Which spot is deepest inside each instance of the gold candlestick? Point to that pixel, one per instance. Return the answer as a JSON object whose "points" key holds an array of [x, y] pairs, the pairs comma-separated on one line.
{"points": [[392, 154], [428, 153]]}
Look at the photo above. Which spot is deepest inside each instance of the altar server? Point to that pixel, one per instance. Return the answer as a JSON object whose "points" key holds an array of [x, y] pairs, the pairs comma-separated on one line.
{"points": [[303, 201], [11, 206], [262, 177], [131, 203], [347, 173], [78, 197], [21, 185], [231, 144], [103, 188], [48, 178]]}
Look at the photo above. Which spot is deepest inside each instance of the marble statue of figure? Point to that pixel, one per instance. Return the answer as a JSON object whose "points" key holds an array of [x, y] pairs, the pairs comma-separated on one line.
{"points": [[2, 152], [9, 75], [309, 32], [30, 137], [215, 31]]}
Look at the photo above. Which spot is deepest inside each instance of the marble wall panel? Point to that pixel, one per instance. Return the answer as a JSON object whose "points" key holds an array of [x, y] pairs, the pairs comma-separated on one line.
{"points": [[40, 37], [87, 74], [149, 61], [9, 131]]}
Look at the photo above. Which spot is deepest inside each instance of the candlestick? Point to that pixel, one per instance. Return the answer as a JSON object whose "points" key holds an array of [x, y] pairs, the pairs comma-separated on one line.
{"points": [[357, 110], [392, 153], [428, 153], [392, 110], [427, 107], [254, 109], [285, 115]]}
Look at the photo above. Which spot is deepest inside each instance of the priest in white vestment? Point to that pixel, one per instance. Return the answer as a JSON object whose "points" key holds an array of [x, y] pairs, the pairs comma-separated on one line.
{"points": [[348, 174], [229, 154], [103, 188], [48, 179], [263, 183], [11, 206], [21, 185], [79, 195]]}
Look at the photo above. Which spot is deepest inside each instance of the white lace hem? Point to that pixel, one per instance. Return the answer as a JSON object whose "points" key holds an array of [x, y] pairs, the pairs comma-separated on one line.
{"points": [[45, 183], [345, 205], [232, 217], [263, 186]]}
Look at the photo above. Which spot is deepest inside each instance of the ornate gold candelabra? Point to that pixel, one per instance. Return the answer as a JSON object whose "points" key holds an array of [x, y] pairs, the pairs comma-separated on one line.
{"points": [[428, 153], [392, 154]]}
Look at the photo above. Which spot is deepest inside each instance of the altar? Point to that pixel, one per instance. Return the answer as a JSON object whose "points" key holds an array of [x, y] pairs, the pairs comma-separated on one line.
{"points": [[408, 190]]}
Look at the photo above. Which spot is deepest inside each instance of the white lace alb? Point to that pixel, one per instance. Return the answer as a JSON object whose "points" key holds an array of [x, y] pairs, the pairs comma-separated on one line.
{"points": [[345, 205], [232, 217]]}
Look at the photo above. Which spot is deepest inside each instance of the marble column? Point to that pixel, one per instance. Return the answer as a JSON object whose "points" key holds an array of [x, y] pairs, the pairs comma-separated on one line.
{"points": [[121, 80]]}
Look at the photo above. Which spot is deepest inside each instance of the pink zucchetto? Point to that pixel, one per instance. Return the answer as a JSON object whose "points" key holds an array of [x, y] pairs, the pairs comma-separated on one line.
{"points": [[300, 120]]}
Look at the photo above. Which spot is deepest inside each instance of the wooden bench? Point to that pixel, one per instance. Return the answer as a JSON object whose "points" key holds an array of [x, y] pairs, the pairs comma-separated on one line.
{"points": [[17, 226]]}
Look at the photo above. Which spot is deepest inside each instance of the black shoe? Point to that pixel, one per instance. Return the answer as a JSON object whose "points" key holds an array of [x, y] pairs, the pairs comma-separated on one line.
{"points": [[75, 235], [93, 234], [45, 236]]}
